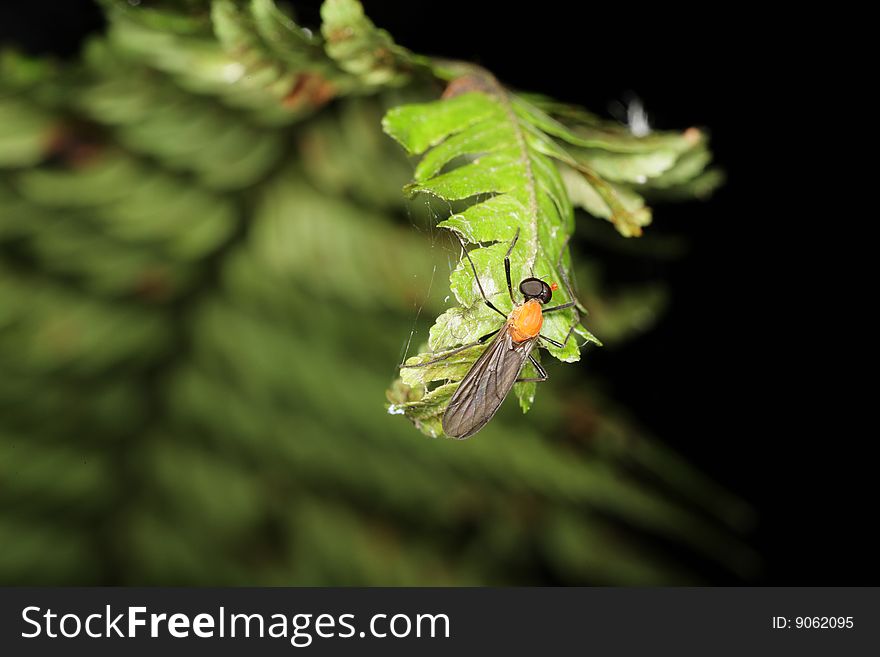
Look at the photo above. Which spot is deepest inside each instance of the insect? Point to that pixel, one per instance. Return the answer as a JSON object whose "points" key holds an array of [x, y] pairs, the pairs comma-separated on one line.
{"points": [[491, 377]]}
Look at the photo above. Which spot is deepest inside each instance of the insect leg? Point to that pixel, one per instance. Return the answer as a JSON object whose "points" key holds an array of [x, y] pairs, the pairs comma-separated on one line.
{"points": [[574, 303], [452, 352], [542, 373], [560, 345], [477, 277], [561, 306], [507, 266]]}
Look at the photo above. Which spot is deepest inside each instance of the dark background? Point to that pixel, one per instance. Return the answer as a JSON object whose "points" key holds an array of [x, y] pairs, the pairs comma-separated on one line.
{"points": [[745, 374]]}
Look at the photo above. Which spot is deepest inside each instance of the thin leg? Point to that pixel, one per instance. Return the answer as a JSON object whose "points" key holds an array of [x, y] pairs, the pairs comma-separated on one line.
{"points": [[507, 266], [452, 352], [477, 277], [562, 306], [574, 303], [561, 345], [542, 373], [558, 345]]}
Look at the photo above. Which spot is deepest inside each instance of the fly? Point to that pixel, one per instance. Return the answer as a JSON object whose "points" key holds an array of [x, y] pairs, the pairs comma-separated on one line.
{"points": [[491, 377]]}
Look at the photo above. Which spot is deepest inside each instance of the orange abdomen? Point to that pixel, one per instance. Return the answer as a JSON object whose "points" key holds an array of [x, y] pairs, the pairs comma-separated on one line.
{"points": [[526, 321]]}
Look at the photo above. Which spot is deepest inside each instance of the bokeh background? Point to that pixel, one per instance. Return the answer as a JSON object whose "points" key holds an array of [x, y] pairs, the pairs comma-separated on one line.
{"points": [[202, 303]]}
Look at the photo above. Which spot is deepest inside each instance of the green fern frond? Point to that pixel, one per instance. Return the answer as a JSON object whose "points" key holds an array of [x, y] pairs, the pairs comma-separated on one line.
{"points": [[253, 55], [480, 147], [519, 171]]}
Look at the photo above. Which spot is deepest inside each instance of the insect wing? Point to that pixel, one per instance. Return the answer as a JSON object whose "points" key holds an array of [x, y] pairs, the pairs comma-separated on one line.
{"points": [[484, 387]]}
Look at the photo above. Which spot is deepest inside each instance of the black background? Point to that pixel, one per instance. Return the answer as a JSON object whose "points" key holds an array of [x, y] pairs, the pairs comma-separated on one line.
{"points": [[752, 373]]}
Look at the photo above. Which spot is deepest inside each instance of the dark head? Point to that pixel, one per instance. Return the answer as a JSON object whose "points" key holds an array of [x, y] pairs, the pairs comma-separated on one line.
{"points": [[535, 288]]}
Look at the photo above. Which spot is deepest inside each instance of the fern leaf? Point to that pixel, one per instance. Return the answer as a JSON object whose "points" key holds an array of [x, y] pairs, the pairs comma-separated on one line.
{"points": [[359, 47], [518, 169], [607, 169], [477, 146]]}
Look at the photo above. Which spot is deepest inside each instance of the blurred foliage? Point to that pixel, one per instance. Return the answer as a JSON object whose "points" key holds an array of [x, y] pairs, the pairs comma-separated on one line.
{"points": [[207, 276]]}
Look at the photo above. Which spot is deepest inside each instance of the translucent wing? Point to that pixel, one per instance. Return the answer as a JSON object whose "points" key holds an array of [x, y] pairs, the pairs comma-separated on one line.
{"points": [[484, 387]]}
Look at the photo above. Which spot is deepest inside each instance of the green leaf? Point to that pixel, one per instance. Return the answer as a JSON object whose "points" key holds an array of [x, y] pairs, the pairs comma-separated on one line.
{"points": [[25, 133], [619, 204], [296, 45], [359, 47], [516, 170], [477, 148], [615, 166], [276, 53], [605, 137], [628, 167]]}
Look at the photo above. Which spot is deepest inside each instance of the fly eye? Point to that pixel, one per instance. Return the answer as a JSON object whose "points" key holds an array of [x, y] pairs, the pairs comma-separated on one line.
{"points": [[531, 288], [535, 288]]}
